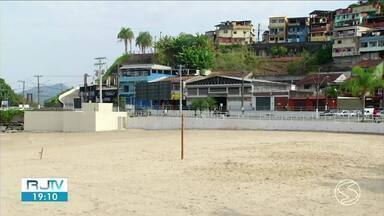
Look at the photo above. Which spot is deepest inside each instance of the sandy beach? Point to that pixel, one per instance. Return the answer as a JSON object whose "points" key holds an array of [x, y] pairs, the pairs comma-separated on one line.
{"points": [[239, 173]]}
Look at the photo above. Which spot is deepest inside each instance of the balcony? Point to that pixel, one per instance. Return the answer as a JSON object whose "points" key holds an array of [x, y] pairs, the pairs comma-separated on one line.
{"points": [[372, 44], [344, 35], [344, 53]]}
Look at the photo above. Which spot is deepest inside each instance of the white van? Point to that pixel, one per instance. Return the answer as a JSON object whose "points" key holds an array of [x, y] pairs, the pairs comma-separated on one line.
{"points": [[368, 112]]}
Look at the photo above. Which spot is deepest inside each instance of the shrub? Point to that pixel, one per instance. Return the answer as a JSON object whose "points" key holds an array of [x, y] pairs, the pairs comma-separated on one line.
{"points": [[6, 116]]}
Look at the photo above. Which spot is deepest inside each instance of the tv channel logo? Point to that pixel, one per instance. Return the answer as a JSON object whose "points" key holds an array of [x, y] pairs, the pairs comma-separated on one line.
{"points": [[44, 189]]}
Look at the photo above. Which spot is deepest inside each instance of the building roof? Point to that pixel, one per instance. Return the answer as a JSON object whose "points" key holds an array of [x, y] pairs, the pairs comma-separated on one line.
{"points": [[317, 78], [176, 79], [321, 12], [368, 63], [245, 22], [238, 74], [145, 66]]}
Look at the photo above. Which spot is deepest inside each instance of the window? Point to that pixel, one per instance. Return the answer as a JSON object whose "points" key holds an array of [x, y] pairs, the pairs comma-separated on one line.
{"points": [[364, 44], [225, 31], [126, 88], [192, 91], [233, 91], [381, 43], [244, 32], [176, 86], [373, 43], [218, 89], [203, 91], [235, 32], [339, 42]]}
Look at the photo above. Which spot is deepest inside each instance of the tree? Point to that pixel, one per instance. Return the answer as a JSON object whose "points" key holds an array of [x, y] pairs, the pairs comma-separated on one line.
{"points": [[203, 104], [126, 35], [364, 82], [306, 64], [7, 94], [192, 51], [279, 51], [144, 41], [324, 55]]}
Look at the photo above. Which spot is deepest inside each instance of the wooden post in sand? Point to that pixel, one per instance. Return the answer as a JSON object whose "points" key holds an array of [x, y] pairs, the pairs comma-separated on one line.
{"points": [[41, 152], [182, 136]]}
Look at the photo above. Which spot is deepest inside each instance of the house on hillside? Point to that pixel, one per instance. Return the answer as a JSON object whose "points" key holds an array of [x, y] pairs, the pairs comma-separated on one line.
{"points": [[297, 29], [320, 25], [277, 29], [233, 32]]}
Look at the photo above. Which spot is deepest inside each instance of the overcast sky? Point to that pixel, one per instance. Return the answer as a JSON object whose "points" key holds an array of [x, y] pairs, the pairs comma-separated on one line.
{"points": [[61, 38]]}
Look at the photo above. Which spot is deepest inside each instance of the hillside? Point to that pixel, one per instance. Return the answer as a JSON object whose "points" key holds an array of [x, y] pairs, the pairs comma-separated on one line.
{"points": [[274, 66], [46, 91]]}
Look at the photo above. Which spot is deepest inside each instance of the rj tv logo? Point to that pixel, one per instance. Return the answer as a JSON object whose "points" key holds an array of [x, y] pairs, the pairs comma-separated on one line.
{"points": [[44, 189]]}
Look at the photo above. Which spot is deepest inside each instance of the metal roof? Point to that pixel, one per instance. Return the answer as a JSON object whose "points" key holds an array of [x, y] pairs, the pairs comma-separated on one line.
{"points": [[146, 66]]}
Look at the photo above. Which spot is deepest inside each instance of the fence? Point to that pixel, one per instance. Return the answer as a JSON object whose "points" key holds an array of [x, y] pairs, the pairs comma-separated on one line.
{"points": [[160, 123], [262, 115]]}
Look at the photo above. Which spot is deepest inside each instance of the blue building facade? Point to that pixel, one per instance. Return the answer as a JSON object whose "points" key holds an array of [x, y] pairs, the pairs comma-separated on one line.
{"points": [[297, 29], [130, 75]]}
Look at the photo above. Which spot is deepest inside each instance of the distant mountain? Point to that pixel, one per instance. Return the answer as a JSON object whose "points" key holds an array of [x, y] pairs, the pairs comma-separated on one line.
{"points": [[46, 91]]}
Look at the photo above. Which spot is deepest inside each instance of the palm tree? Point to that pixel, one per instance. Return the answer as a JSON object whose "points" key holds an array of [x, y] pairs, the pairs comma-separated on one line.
{"points": [[126, 34], [364, 83], [144, 41]]}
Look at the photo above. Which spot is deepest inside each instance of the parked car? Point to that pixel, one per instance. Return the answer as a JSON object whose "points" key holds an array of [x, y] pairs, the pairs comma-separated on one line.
{"points": [[221, 113], [346, 113], [327, 113], [377, 113]]}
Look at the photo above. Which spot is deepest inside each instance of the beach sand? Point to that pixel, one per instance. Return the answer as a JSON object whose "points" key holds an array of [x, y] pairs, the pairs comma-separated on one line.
{"points": [[226, 173]]}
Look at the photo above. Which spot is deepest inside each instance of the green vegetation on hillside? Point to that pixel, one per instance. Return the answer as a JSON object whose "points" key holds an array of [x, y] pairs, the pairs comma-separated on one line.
{"points": [[6, 93], [192, 51], [113, 68], [238, 59], [310, 62]]}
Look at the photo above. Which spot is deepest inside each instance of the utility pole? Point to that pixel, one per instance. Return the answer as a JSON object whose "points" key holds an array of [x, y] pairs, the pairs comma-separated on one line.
{"points": [[181, 90], [242, 94], [100, 63], [118, 88], [85, 96], [38, 90], [23, 81]]}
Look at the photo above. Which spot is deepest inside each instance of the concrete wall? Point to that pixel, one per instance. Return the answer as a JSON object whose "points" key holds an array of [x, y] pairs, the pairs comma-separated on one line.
{"points": [[78, 121], [204, 123], [42, 121], [110, 121], [93, 117]]}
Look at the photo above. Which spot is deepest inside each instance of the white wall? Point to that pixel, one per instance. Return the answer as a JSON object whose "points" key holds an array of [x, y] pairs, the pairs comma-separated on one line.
{"points": [[294, 125], [42, 121], [103, 119]]}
